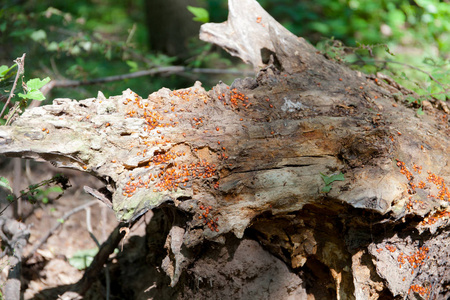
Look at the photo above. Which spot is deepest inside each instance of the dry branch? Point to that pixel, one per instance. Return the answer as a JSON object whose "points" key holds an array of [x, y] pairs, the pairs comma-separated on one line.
{"points": [[55, 227], [20, 61], [100, 259], [14, 237]]}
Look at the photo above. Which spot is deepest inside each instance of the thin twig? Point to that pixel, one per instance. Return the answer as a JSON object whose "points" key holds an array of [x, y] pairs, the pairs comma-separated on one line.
{"points": [[101, 258], [411, 67], [131, 33], [57, 179], [12, 112], [20, 61], [91, 233], [170, 70], [89, 226], [17, 170], [56, 226], [98, 195]]}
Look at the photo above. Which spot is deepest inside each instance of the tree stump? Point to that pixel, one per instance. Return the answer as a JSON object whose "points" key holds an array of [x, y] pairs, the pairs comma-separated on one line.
{"points": [[343, 186]]}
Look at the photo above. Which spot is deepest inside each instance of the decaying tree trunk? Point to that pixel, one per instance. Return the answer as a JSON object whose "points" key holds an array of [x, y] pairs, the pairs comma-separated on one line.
{"points": [[237, 167]]}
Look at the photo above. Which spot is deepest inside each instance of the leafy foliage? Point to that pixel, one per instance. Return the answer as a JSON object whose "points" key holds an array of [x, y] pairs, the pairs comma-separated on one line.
{"points": [[73, 40], [413, 23], [4, 183], [416, 31], [40, 191], [201, 14], [32, 86], [5, 71], [429, 77], [83, 258], [84, 40], [330, 179], [43, 195], [31, 89]]}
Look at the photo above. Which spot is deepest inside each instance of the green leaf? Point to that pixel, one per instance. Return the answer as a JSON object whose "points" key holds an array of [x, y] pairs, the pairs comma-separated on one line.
{"points": [[5, 69], [33, 95], [32, 187], [108, 54], [411, 99], [320, 27], [3, 27], [31, 198], [133, 65], [83, 258], [5, 184], [201, 14], [53, 189], [86, 46], [75, 50], [429, 61], [441, 97], [44, 193], [36, 83], [61, 220], [53, 46], [420, 112], [330, 179], [396, 18], [326, 189], [38, 35], [389, 51]]}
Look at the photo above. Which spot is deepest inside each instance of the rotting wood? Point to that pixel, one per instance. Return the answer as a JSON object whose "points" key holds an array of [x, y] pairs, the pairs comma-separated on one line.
{"points": [[14, 236], [247, 159]]}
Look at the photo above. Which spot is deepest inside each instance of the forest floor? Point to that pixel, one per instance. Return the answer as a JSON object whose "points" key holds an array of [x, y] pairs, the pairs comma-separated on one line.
{"points": [[49, 267]]}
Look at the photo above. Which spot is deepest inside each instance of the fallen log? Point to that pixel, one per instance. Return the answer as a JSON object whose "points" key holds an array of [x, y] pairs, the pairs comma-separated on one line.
{"points": [[319, 163]]}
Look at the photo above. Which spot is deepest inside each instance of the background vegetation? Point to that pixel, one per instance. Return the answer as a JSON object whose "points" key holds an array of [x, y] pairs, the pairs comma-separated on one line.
{"points": [[90, 39]]}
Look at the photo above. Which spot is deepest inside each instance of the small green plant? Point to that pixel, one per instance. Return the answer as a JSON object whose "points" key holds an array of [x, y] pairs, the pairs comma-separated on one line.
{"points": [[83, 258], [201, 14], [35, 192], [330, 179], [31, 88], [44, 194], [428, 77], [5, 72], [4, 183]]}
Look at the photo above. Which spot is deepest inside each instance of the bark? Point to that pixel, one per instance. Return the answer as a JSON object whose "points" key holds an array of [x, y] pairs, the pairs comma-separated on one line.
{"points": [[242, 163], [14, 237]]}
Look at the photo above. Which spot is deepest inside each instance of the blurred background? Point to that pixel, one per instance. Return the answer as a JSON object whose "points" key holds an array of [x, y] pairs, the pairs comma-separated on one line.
{"points": [[90, 39]]}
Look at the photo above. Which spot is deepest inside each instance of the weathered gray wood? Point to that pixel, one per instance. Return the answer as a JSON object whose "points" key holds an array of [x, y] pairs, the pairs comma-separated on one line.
{"points": [[14, 236], [251, 34]]}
